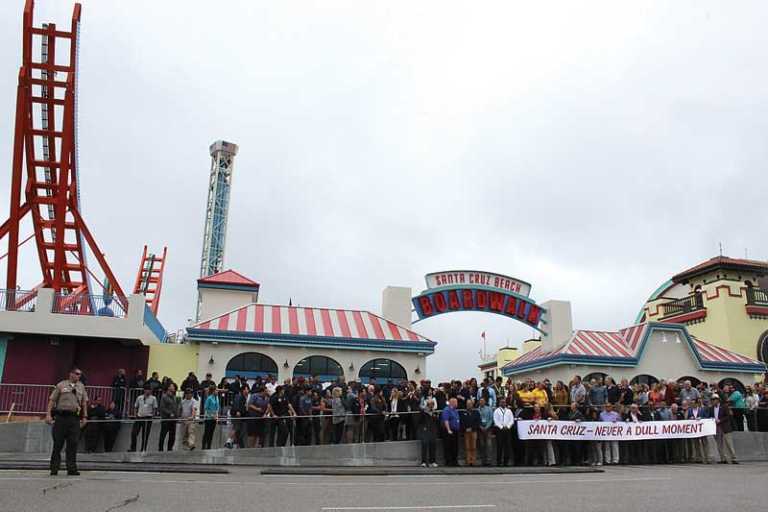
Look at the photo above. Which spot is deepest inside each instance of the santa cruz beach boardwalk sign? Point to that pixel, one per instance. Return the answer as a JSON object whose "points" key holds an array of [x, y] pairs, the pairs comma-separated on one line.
{"points": [[474, 290]]}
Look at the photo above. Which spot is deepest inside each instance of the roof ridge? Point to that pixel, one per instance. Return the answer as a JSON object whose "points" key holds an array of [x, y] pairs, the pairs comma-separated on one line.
{"points": [[229, 271], [409, 329]]}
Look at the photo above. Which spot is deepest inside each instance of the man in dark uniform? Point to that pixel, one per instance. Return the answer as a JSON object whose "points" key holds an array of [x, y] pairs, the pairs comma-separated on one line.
{"points": [[67, 408], [92, 431]]}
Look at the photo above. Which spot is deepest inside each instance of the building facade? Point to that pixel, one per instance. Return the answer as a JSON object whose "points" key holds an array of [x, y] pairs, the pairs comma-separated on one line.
{"points": [[239, 336], [644, 353], [722, 300]]}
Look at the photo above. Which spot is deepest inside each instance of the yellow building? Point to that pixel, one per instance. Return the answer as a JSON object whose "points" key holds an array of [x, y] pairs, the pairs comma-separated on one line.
{"points": [[723, 301], [491, 367]]}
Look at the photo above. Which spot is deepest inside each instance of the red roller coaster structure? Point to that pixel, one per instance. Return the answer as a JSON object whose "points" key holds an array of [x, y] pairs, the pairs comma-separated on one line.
{"points": [[45, 146]]}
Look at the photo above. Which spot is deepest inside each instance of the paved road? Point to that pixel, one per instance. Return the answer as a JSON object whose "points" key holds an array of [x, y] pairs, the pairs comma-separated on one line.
{"points": [[740, 488]]}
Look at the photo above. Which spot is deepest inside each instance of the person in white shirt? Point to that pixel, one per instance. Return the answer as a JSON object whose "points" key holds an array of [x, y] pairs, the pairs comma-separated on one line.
{"points": [[145, 409], [503, 420], [189, 408], [698, 447]]}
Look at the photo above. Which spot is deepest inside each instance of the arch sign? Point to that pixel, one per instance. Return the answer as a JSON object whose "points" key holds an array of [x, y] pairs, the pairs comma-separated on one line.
{"points": [[473, 290]]}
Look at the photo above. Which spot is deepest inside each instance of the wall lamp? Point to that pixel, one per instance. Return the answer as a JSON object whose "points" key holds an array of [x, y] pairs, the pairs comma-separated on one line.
{"points": [[211, 361], [285, 364], [351, 367], [417, 370]]}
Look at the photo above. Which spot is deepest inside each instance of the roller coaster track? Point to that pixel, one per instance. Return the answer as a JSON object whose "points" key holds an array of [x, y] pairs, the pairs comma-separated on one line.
{"points": [[45, 146], [149, 280]]}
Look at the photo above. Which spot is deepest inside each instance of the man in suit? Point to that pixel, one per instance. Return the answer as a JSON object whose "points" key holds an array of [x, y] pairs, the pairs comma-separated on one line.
{"points": [[724, 420], [634, 448], [698, 446]]}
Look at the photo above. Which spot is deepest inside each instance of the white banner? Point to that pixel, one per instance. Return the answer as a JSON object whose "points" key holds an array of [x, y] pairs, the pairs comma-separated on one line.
{"points": [[618, 431]]}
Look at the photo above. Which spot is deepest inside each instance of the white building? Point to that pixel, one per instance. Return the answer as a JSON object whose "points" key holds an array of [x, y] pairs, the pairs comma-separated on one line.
{"points": [[239, 336]]}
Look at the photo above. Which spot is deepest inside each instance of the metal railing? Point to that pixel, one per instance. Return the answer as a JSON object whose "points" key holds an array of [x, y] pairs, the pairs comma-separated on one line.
{"points": [[684, 305], [32, 399], [757, 296], [89, 305], [18, 300]]}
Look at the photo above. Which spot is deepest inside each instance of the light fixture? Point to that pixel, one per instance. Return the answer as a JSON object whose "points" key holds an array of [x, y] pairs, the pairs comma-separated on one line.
{"points": [[351, 367], [285, 364], [211, 361], [417, 370]]}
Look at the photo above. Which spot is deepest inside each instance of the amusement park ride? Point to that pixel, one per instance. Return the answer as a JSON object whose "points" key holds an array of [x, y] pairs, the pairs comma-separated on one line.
{"points": [[44, 182]]}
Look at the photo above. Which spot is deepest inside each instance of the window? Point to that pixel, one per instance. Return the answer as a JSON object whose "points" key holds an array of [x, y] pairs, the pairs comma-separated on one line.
{"points": [[694, 381], [762, 348], [251, 364], [650, 380], [734, 383], [383, 370], [324, 368], [598, 376]]}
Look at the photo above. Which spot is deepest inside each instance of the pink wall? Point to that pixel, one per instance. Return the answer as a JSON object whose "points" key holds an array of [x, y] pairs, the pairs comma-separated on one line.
{"points": [[34, 360]]}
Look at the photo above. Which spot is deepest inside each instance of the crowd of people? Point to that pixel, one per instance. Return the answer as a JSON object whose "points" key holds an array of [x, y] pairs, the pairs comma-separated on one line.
{"points": [[480, 416]]}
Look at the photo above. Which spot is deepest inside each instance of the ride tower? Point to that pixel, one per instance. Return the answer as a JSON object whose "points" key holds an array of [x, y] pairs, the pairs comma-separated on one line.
{"points": [[217, 209]]}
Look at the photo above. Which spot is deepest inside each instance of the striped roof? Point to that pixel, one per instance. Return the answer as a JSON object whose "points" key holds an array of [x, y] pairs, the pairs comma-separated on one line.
{"points": [[624, 347], [256, 319], [714, 354]]}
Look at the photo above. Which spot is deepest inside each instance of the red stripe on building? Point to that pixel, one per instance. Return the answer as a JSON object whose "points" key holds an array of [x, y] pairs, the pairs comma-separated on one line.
{"points": [[293, 321], [309, 318], [376, 327], [276, 327], [361, 330], [394, 330], [205, 325], [258, 321], [411, 335], [590, 344], [241, 316], [327, 325], [709, 350], [341, 316], [636, 334], [580, 348], [223, 322], [595, 343], [617, 349], [705, 352]]}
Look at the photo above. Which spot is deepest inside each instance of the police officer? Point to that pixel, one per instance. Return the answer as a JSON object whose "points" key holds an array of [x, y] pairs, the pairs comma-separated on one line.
{"points": [[67, 409]]}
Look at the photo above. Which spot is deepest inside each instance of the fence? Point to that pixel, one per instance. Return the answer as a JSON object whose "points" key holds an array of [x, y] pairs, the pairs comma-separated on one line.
{"points": [[18, 300], [684, 305], [90, 305], [32, 399]]}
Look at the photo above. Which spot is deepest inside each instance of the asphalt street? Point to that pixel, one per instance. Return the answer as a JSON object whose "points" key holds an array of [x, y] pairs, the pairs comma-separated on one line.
{"points": [[626, 488]]}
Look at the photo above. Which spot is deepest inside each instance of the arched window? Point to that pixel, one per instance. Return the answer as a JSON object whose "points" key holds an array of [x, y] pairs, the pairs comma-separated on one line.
{"points": [[732, 382], [650, 380], [694, 381], [383, 370], [598, 376], [762, 347], [324, 368], [251, 365]]}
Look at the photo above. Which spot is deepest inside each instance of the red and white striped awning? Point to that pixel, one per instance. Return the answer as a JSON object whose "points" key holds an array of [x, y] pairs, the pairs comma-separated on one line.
{"points": [[598, 344], [714, 354], [302, 321], [624, 344]]}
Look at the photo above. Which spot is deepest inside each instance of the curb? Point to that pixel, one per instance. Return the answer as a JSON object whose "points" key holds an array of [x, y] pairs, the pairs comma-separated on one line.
{"points": [[122, 467], [409, 470]]}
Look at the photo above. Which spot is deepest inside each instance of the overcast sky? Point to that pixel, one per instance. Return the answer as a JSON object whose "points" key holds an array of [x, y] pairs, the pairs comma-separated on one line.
{"points": [[592, 149]]}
